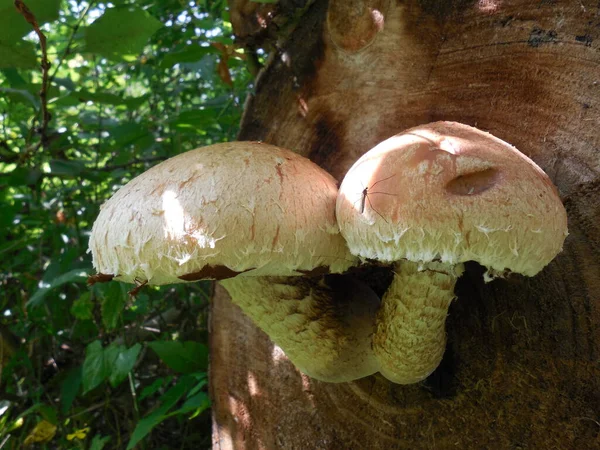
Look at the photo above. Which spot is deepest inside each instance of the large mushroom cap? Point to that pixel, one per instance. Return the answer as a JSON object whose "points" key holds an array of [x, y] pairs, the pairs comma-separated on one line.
{"points": [[217, 211], [449, 192]]}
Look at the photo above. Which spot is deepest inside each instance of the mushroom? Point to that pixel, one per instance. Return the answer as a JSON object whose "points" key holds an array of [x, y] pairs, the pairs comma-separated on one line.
{"points": [[323, 324], [243, 213], [428, 200]]}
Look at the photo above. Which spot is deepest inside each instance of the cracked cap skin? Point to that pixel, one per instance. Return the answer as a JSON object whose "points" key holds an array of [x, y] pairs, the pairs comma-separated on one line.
{"points": [[219, 211]]}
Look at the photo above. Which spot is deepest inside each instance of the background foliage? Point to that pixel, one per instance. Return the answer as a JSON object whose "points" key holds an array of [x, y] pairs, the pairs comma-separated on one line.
{"points": [[130, 83]]}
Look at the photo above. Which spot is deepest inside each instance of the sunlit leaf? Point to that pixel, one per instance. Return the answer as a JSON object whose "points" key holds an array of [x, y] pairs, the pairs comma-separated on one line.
{"points": [[183, 357], [120, 31], [196, 119]]}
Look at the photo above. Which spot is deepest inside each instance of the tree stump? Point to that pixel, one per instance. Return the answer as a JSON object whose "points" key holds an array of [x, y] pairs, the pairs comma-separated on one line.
{"points": [[522, 367]]}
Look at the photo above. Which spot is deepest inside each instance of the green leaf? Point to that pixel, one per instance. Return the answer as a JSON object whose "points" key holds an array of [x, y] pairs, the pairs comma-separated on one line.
{"points": [[69, 388], [197, 403], [14, 26], [66, 167], [73, 276], [123, 364], [206, 67], [127, 133], [113, 303], [67, 83], [7, 218], [52, 92], [108, 98], [95, 369], [169, 400], [99, 364], [183, 357], [21, 95], [98, 442], [120, 31], [49, 414], [202, 381], [15, 80], [197, 119], [190, 54], [18, 54], [153, 388], [24, 176], [110, 355], [83, 307]]}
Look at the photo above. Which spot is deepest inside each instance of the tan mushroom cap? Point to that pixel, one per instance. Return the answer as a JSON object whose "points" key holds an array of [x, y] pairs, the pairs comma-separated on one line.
{"points": [[452, 193], [214, 212]]}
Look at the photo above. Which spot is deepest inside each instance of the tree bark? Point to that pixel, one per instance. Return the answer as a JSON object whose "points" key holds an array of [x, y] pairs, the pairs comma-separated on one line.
{"points": [[521, 368]]}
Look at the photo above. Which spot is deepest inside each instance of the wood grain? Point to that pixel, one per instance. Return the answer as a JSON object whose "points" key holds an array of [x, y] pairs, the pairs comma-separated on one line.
{"points": [[522, 365]]}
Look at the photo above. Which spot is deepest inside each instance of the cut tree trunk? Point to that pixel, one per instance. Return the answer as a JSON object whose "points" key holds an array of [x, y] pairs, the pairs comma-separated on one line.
{"points": [[522, 367]]}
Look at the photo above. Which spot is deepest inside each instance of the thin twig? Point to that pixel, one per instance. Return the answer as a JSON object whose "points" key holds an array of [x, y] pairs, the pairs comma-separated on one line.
{"points": [[30, 18], [135, 161], [90, 409], [68, 49], [133, 397], [4, 441]]}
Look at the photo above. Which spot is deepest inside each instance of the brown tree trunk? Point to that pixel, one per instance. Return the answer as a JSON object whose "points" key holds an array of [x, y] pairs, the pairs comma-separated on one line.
{"points": [[522, 364]]}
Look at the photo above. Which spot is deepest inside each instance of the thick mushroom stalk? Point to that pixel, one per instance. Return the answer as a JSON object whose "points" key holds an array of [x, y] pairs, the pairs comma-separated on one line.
{"points": [[410, 337], [323, 324], [439, 195]]}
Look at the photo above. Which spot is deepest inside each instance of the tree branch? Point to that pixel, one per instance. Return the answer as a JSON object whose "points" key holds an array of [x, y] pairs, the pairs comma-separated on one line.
{"points": [[30, 18]]}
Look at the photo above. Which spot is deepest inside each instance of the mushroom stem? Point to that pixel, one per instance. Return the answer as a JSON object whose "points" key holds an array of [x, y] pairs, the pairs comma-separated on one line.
{"points": [[410, 336], [324, 325]]}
